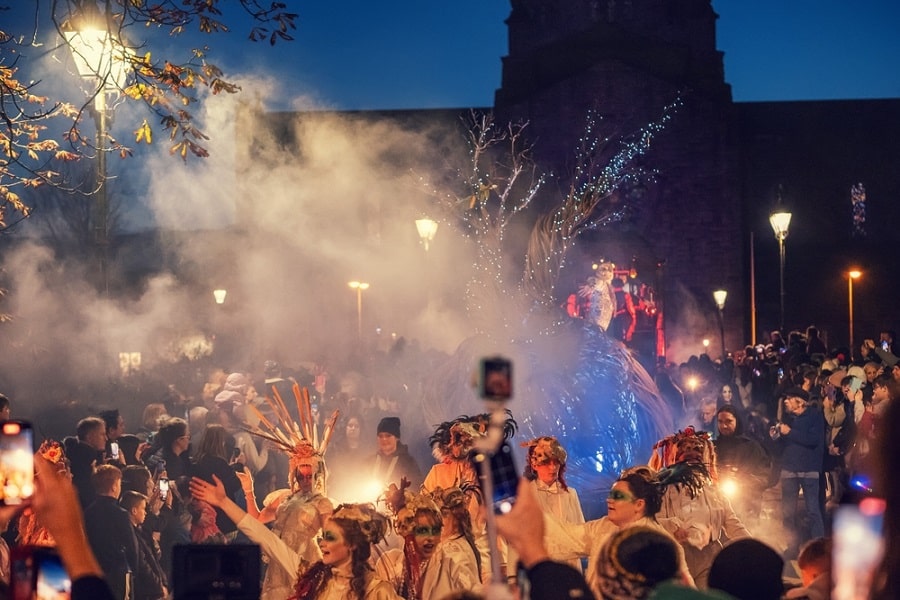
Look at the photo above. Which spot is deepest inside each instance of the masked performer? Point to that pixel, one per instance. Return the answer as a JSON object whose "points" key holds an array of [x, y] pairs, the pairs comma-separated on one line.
{"points": [[439, 556], [298, 512], [694, 510], [341, 573], [546, 470]]}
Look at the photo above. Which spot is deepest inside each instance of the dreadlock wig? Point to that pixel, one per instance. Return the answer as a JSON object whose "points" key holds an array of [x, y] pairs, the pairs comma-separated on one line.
{"points": [[453, 440]]}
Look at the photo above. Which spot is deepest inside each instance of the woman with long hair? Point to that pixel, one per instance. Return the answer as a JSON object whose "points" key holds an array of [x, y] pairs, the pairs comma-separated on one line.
{"points": [[212, 459], [425, 567], [343, 572]]}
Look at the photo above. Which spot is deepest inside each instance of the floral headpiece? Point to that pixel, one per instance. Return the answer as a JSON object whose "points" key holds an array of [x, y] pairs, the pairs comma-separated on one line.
{"points": [[404, 505], [544, 449], [452, 440], [372, 523]]}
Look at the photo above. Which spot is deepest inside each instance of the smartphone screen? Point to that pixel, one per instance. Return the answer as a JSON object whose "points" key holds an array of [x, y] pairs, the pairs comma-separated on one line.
{"points": [[505, 479], [37, 573], [163, 488], [16, 462], [495, 378], [114, 450], [858, 547]]}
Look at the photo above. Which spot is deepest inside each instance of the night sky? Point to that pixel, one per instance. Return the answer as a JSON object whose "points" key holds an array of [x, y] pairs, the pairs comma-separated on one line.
{"points": [[413, 54]]}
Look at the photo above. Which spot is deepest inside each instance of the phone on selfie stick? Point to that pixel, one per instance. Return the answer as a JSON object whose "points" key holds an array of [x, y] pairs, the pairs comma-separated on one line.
{"points": [[493, 459]]}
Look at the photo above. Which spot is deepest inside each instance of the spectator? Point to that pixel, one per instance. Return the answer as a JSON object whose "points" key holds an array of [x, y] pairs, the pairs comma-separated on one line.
{"points": [[748, 570], [802, 443], [744, 460], [212, 459], [815, 571], [84, 453], [150, 581], [346, 454], [170, 452], [393, 461], [5, 409], [633, 562], [154, 413], [55, 503], [109, 530]]}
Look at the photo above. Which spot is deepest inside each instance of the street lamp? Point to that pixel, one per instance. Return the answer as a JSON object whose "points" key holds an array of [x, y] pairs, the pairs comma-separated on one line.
{"points": [[780, 222], [219, 295], [103, 61], [359, 286], [427, 228], [854, 274], [719, 296]]}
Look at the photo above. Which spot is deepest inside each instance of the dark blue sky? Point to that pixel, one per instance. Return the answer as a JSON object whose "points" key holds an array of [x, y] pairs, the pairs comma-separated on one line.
{"points": [[423, 53]]}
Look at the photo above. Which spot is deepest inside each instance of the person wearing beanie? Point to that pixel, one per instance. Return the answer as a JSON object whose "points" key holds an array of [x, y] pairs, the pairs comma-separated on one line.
{"points": [[802, 442], [748, 570], [393, 461]]}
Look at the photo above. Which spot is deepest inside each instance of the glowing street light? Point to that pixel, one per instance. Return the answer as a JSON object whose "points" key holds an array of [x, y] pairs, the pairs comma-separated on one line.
{"points": [[780, 222], [854, 274], [103, 61], [719, 296], [427, 229], [219, 295], [359, 286]]}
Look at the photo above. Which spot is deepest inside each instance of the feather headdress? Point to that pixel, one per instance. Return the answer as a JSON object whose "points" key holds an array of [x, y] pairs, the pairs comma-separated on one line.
{"points": [[300, 441]]}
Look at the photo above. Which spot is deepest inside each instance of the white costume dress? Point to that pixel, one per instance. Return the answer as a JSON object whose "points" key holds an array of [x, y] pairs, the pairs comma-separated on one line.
{"points": [[289, 561], [298, 520], [708, 519], [569, 541]]}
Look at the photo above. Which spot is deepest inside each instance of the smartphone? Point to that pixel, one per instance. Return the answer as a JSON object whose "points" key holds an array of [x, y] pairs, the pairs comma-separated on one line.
{"points": [[114, 450], [885, 345], [37, 573], [16, 462], [495, 378], [229, 572], [504, 477], [858, 547], [163, 489]]}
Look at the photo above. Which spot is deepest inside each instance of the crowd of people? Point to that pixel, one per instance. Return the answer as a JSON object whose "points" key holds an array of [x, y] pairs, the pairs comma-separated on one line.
{"points": [[245, 462]]}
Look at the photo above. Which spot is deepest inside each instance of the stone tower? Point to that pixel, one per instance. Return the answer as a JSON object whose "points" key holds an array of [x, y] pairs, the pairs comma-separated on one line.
{"points": [[627, 59]]}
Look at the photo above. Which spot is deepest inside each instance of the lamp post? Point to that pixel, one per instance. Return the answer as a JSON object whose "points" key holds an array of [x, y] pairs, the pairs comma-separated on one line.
{"points": [[781, 221], [719, 296], [854, 274], [427, 228], [101, 60], [359, 286], [219, 295]]}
